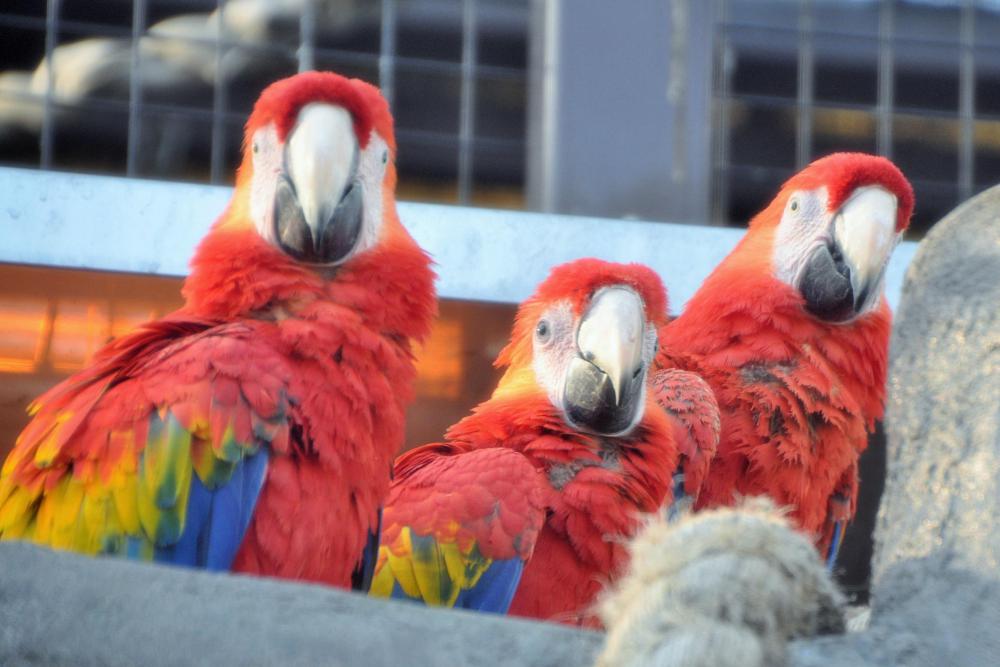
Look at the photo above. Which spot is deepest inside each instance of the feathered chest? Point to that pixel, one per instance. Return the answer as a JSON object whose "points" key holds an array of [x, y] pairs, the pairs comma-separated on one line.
{"points": [[597, 488], [805, 404], [348, 383]]}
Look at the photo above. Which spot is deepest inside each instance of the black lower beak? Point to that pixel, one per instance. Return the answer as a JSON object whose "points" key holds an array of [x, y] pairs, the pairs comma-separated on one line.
{"points": [[589, 399], [826, 285], [327, 241]]}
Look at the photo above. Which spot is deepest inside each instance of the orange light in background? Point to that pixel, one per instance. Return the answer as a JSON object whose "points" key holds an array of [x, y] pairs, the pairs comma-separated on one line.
{"points": [[128, 316], [22, 337], [78, 330], [53, 320], [439, 362]]}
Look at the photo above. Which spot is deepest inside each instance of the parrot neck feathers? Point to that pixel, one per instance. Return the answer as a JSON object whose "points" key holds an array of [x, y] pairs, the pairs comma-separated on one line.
{"points": [[236, 274]]}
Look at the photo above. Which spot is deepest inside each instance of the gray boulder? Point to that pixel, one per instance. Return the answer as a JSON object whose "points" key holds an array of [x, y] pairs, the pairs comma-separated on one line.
{"points": [[936, 592]]}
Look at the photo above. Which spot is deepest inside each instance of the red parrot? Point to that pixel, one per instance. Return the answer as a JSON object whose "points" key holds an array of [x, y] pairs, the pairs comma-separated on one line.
{"points": [[253, 429], [792, 332], [528, 503]]}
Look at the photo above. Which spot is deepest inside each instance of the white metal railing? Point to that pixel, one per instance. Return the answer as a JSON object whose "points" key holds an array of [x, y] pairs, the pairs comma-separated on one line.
{"points": [[120, 224]]}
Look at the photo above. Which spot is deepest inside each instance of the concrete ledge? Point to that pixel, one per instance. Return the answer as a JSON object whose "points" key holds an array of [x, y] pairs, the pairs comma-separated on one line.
{"points": [[127, 224], [64, 609]]}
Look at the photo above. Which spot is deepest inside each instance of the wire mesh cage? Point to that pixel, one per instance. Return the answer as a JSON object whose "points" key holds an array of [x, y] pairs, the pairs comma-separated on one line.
{"points": [[160, 88], [918, 82]]}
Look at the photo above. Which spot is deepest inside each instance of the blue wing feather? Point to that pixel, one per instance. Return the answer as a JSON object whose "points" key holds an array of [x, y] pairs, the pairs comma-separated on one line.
{"points": [[831, 555], [361, 578], [216, 520], [495, 588], [493, 592]]}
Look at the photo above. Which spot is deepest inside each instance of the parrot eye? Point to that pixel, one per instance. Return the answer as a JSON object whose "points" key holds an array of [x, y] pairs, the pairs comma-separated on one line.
{"points": [[256, 148], [385, 156], [542, 331], [795, 205]]}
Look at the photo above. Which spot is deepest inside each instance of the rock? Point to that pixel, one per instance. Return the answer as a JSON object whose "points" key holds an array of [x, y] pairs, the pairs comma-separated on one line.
{"points": [[721, 588], [943, 417], [64, 609], [936, 585]]}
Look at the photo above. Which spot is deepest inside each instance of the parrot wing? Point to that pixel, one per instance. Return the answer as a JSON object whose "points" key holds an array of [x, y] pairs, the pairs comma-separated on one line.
{"points": [[459, 527], [691, 405], [157, 451], [843, 505]]}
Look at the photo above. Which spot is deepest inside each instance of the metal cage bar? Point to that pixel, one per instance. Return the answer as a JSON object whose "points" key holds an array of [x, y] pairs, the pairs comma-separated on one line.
{"points": [[467, 110], [307, 37], [721, 101], [967, 101], [48, 118], [805, 87], [219, 101], [135, 87], [143, 106], [886, 85], [387, 50]]}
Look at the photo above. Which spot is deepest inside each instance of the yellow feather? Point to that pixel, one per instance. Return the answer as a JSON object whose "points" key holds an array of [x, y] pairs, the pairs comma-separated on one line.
{"points": [[49, 446], [401, 567], [15, 508], [7, 487], [66, 512], [123, 492], [19, 530], [455, 565], [429, 569], [383, 580], [165, 481], [99, 519], [12, 460], [43, 521]]}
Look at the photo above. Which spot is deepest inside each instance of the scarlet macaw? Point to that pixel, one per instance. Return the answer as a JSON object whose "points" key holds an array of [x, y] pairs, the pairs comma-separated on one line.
{"points": [[254, 428], [791, 331], [528, 503]]}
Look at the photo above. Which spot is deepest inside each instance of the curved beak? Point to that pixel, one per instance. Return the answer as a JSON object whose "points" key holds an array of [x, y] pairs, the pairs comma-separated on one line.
{"points": [[843, 278], [605, 384], [318, 203]]}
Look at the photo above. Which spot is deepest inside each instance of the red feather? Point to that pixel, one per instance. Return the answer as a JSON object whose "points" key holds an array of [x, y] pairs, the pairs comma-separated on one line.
{"points": [[321, 361], [593, 489], [797, 395]]}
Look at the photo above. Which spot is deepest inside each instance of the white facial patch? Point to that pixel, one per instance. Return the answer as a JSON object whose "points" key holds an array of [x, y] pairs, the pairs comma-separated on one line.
{"points": [[372, 165], [553, 351], [804, 226], [268, 163]]}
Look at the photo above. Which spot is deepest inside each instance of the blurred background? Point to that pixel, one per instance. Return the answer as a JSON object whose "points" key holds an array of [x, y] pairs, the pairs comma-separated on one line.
{"points": [[667, 110]]}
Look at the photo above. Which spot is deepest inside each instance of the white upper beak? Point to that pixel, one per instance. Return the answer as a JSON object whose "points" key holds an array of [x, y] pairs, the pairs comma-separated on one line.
{"points": [[612, 334], [321, 158], [865, 230]]}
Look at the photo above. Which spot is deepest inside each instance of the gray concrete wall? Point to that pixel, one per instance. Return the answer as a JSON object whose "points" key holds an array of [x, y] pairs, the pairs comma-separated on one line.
{"points": [[620, 108]]}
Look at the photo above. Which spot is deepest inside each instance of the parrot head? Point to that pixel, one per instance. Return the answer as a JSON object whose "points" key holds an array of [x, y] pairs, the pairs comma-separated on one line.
{"points": [[835, 225], [586, 339], [317, 163]]}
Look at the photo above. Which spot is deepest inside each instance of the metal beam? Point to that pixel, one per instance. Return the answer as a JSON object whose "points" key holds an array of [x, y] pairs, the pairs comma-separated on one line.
{"points": [[117, 224]]}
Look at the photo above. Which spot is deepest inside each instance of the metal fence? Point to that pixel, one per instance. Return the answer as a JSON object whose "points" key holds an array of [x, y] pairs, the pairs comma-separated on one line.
{"points": [[160, 88], [193, 67], [918, 83]]}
